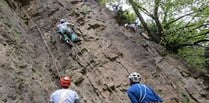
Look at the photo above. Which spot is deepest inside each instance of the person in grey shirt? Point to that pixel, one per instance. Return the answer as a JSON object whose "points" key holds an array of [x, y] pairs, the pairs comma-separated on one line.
{"points": [[64, 27], [64, 95]]}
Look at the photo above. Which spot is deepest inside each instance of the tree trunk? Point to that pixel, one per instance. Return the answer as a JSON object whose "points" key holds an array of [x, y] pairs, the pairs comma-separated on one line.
{"points": [[155, 38], [156, 18]]}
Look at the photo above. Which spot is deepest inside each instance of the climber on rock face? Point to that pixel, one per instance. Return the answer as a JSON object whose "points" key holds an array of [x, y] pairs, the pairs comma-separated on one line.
{"points": [[64, 95], [141, 93], [65, 29], [134, 27], [131, 26]]}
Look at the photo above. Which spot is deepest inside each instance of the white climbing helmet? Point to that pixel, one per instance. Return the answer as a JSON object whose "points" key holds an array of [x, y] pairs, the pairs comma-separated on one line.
{"points": [[126, 25], [134, 77], [62, 20]]}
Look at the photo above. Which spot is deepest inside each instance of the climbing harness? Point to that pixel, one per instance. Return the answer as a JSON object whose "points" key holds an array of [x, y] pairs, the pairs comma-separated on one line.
{"points": [[142, 96], [63, 97]]}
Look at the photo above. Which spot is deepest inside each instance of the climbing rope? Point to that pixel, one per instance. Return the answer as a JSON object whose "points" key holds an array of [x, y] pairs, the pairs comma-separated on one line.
{"points": [[126, 69], [47, 46], [62, 5], [50, 52], [14, 49], [55, 61], [52, 56], [92, 66]]}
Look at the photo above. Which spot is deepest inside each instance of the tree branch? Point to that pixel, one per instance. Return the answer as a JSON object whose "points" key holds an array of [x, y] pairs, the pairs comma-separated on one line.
{"points": [[153, 36], [156, 17], [186, 26], [199, 11], [183, 29], [144, 10], [165, 17], [197, 35], [194, 43], [200, 41], [179, 18], [156, 7]]}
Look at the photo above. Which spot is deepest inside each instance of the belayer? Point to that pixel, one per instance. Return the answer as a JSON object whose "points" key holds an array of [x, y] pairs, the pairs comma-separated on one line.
{"points": [[64, 95], [65, 29], [141, 93]]}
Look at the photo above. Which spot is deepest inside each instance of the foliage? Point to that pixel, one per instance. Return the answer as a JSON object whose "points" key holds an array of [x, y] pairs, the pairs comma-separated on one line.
{"points": [[125, 17], [85, 9], [194, 56], [152, 27], [104, 1], [182, 26]]}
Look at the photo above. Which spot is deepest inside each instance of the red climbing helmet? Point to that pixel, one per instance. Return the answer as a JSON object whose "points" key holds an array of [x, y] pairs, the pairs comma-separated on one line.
{"points": [[65, 82]]}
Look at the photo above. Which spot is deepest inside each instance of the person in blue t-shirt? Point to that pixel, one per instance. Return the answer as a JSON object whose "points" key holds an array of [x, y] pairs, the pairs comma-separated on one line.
{"points": [[141, 93]]}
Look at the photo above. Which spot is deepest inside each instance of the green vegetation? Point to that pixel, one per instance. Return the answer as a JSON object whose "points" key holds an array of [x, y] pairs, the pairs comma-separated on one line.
{"points": [[103, 2], [125, 17], [7, 22], [181, 26], [15, 33], [85, 9], [3, 3], [186, 98], [194, 55]]}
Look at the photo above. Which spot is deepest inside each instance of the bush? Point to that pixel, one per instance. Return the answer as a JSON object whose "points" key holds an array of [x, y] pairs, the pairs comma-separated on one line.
{"points": [[123, 17], [194, 56]]}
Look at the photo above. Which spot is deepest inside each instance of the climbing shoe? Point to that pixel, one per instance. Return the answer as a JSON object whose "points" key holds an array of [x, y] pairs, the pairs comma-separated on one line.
{"points": [[69, 43]]}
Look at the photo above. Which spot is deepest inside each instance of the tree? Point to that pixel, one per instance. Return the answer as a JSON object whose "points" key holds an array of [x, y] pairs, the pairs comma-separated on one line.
{"points": [[206, 55], [180, 25], [124, 17]]}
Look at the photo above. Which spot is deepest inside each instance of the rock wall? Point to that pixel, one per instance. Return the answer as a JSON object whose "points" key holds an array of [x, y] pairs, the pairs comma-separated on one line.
{"points": [[31, 53]]}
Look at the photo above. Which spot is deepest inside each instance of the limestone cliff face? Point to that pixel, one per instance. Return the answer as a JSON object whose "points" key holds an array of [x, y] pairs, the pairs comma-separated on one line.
{"points": [[31, 51]]}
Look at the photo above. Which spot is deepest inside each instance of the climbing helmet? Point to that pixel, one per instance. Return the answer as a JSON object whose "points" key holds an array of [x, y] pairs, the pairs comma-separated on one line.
{"points": [[134, 77], [65, 82], [62, 20]]}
